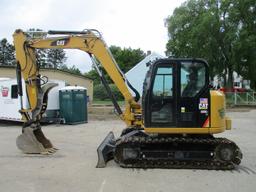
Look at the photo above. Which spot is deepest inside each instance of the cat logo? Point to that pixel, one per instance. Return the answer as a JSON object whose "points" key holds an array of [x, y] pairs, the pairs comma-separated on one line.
{"points": [[60, 42], [203, 104]]}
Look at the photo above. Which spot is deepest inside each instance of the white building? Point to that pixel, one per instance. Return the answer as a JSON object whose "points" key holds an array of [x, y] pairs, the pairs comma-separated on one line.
{"points": [[238, 81], [137, 74]]}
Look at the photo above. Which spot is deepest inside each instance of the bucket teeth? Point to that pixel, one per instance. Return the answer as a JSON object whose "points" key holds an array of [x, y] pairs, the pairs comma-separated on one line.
{"points": [[49, 151], [33, 141]]}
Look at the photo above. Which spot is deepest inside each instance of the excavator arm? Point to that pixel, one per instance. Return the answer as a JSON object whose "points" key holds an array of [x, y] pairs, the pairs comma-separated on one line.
{"points": [[89, 41]]}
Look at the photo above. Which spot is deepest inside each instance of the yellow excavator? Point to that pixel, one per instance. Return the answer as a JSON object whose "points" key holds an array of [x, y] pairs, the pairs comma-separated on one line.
{"points": [[172, 126]]}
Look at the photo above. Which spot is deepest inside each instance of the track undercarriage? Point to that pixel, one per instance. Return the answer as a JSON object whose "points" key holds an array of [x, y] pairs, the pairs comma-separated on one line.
{"points": [[139, 150]]}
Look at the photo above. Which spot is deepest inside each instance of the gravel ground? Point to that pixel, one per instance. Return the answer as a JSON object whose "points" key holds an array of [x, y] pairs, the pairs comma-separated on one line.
{"points": [[72, 168]]}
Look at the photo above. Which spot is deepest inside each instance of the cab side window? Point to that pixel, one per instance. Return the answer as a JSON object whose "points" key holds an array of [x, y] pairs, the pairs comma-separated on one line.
{"points": [[163, 82], [192, 78]]}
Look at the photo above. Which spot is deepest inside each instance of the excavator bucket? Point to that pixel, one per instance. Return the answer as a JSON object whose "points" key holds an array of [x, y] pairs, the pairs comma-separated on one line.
{"points": [[106, 150], [32, 139], [34, 142]]}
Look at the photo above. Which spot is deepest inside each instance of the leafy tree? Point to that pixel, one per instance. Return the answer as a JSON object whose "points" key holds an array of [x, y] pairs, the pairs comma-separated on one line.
{"points": [[126, 58], [94, 76], [41, 55], [51, 58], [7, 56], [48, 58], [72, 69], [56, 58], [99, 92], [243, 15], [216, 30]]}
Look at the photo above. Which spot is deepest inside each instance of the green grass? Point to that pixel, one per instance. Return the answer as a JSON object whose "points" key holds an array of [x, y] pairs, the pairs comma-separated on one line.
{"points": [[106, 102]]}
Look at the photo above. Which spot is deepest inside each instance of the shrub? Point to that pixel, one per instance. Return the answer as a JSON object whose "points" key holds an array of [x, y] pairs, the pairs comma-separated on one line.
{"points": [[100, 93]]}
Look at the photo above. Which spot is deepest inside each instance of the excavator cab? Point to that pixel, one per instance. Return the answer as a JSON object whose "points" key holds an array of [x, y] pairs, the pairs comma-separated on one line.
{"points": [[173, 90]]}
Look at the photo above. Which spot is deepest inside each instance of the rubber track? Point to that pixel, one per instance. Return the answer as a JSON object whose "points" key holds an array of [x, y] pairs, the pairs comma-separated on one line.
{"points": [[211, 164]]}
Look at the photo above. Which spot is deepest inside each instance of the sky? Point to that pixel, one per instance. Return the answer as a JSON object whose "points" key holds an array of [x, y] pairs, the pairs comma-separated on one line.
{"points": [[124, 23]]}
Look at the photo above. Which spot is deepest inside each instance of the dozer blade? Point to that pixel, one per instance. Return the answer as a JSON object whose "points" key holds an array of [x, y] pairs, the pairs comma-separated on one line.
{"points": [[106, 150], [34, 142]]}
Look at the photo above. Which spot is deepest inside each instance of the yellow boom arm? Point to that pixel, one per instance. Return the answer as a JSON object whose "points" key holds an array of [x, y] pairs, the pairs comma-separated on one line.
{"points": [[89, 41]]}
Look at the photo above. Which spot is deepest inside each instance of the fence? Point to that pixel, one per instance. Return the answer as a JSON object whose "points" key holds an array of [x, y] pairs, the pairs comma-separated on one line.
{"points": [[241, 98]]}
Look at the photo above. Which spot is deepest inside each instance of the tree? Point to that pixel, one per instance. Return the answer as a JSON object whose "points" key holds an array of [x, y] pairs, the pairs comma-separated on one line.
{"points": [[56, 58], [126, 58], [7, 56], [212, 30], [48, 58], [92, 74], [41, 57], [41, 54], [243, 14], [99, 92], [51, 58], [72, 69]]}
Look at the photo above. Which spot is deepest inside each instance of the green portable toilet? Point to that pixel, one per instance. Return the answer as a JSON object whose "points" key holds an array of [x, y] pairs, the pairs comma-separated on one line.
{"points": [[73, 104]]}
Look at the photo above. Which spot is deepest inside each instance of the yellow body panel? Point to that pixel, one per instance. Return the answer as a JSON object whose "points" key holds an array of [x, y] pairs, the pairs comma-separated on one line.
{"points": [[27, 60], [179, 130], [218, 122], [218, 110]]}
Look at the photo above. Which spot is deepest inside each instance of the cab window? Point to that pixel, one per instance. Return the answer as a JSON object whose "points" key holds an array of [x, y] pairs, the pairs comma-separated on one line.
{"points": [[192, 78], [163, 82]]}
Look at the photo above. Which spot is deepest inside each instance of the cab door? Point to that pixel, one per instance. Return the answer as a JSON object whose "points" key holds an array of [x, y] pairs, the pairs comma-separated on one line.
{"points": [[162, 98], [193, 94]]}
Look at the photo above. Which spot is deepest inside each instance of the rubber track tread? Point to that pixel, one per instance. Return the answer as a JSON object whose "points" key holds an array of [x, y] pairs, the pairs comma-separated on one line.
{"points": [[211, 164]]}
